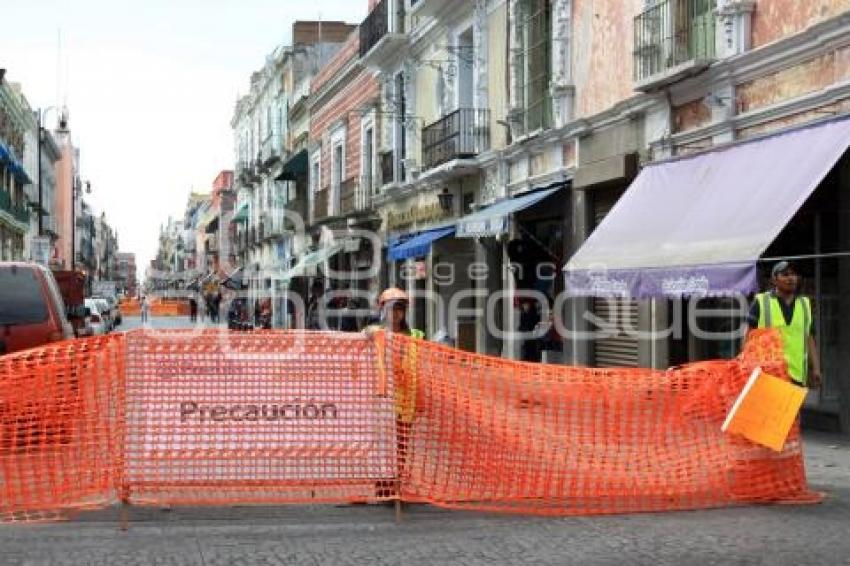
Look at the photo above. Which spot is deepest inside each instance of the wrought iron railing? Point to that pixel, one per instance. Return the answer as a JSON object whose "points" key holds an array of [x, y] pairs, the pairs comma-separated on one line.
{"points": [[374, 27], [670, 33], [19, 213], [463, 133]]}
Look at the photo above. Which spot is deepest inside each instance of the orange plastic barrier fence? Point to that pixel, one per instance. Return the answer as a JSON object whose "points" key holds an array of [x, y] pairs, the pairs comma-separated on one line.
{"points": [[165, 307], [211, 417]]}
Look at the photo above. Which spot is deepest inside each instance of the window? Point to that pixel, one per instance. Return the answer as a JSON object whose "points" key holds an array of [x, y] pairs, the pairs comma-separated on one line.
{"points": [[368, 164], [400, 134], [535, 22], [21, 300], [316, 172], [337, 168]]}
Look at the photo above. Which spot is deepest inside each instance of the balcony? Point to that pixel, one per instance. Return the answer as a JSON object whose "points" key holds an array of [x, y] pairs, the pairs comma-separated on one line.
{"points": [[247, 172], [270, 153], [348, 197], [460, 135], [19, 213], [673, 40], [382, 34]]}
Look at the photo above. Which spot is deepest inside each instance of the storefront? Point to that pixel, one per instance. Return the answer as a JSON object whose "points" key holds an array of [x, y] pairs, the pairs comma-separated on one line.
{"points": [[693, 238], [518, 243], [411, 227]]}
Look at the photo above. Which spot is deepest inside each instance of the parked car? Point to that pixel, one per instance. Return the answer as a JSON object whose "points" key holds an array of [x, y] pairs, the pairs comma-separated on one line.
{"points": [[112, 307], [99, 323], [32, 312], [116, 310], [105, 312]]}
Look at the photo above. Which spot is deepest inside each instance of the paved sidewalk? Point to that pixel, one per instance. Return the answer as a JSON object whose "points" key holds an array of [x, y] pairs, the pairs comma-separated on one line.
{"points": [[775, 535]]}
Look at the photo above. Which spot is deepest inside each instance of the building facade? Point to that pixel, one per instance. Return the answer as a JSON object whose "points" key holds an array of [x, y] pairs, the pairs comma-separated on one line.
{"points": [[126, 274], [271, 126], [15, 127]]}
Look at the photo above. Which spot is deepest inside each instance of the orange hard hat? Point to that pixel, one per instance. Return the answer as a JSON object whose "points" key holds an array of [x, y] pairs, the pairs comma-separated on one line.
{"points": [[392, 294]]}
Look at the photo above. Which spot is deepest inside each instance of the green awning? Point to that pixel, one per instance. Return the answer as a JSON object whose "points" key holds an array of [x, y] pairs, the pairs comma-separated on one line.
{"points": [[294, 168], [242, 214], [312, 260]]}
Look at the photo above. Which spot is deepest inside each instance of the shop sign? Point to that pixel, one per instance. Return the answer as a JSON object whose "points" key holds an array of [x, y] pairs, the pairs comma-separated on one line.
{"points": [[40, 249], [416, 215]]}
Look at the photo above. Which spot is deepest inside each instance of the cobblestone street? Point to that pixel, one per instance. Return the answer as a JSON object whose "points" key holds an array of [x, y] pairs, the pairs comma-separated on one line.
{"points": [[775, 535]]}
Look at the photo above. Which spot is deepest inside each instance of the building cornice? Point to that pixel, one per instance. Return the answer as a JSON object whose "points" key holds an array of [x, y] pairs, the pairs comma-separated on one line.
{"points": [[786, 109], [819, 39]]}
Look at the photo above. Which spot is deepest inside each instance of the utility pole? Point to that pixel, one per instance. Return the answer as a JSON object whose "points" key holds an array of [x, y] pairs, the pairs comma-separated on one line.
{"points": [[40, 171]]}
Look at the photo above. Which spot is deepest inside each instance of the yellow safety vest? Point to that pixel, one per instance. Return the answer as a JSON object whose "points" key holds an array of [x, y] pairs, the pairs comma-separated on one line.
{"points": [[795, 337], [405, 401]]}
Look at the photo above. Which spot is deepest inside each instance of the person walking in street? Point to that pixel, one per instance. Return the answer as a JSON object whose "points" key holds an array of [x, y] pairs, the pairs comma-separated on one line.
{"points": [[784, 308], [529, 318], [217, 306], [144, 309], [314, 306], [193, 310]]}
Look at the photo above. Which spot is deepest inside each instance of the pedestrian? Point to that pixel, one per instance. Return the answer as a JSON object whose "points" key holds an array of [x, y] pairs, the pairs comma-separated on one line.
{"points": [[193, 310], [144, 309], [784, 308], [529, 318], [348, 316], [217, 306], [314, 306], [257, 312]]}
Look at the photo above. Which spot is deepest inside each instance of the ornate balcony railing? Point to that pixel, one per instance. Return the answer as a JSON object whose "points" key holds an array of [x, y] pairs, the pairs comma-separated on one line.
{"points": [[668, 34], [462, 134], [374, 27], [19, 213]]}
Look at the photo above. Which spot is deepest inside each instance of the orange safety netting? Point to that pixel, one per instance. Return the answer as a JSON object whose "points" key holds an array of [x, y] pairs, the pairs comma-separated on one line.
{"points": [[157, 307], [211, 417]]}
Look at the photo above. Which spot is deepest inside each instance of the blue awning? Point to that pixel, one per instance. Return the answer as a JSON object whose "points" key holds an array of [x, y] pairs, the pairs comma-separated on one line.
{"points": [[418, 245], [14, 166], [493, 220], [20, 174]]}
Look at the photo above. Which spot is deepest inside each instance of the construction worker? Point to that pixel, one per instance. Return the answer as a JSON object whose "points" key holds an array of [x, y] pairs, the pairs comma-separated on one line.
{"points": [[783, 308], [393, 304]]}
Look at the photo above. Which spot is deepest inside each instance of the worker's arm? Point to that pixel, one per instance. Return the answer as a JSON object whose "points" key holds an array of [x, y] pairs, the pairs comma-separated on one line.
{"points": [[814, 380]]}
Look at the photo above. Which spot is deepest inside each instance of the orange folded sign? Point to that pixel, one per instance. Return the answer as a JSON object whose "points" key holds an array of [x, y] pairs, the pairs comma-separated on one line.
{"points": [[766, 410]]}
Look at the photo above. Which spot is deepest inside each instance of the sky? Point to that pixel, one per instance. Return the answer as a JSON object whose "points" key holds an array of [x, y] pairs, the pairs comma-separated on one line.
{"points": [[150, 87]]}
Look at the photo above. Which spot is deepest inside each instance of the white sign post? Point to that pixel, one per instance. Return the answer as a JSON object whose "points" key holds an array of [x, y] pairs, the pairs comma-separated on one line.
{"points": [[40, 249]]}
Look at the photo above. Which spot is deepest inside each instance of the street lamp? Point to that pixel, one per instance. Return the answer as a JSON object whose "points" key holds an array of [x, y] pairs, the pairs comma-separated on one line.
{"points": [[77, 191]]}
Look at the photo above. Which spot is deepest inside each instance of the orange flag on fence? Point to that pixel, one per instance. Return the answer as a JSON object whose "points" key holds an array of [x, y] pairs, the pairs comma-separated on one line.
{"points": [[765, 410]]}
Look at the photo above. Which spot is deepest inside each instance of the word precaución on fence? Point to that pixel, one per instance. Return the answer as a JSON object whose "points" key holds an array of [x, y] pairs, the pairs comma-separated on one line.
{"points": [[210, 417]]}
